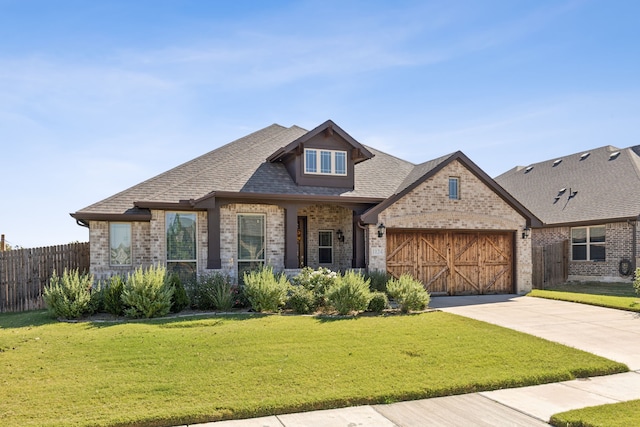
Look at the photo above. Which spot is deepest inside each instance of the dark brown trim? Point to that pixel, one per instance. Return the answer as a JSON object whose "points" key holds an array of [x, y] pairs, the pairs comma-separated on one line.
{"points": [[333, 128], [136, 217], [286, 198], [184, 205], [371, 216]]}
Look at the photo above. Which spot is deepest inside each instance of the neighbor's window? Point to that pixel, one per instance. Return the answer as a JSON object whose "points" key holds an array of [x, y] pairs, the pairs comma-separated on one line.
{"points": [[588, 243], [325, 247], [120, 243], [454, 188], [180, 230], [251, 242], [331, 162]]}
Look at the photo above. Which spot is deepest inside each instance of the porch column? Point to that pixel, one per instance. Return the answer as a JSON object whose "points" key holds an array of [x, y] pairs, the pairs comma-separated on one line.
{"points": [[213, 225], [358, 245], [290, 236]]}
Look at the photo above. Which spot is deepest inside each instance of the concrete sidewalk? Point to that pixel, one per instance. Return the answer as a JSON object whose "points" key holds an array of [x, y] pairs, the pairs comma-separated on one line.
{"points": [[609, 333]]}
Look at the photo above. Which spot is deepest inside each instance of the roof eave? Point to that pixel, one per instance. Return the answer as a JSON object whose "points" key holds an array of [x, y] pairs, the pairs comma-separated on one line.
{"points": [[588, 222], [126, 217]]}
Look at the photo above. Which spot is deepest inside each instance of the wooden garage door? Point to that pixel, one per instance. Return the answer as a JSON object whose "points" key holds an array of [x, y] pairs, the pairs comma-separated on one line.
{"points": [[455, 263]]}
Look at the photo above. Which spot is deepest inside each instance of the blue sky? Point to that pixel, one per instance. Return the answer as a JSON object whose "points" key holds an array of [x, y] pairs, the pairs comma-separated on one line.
{"points": [[97, 96]]}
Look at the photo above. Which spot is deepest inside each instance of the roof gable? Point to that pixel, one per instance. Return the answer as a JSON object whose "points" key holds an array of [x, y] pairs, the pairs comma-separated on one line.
{"points": [[601, 184], [424, 171], [329, 128]]}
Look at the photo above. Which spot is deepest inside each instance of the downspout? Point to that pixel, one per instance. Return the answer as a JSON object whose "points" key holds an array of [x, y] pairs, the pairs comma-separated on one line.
{"points": [[634, 224], [82, 223]]}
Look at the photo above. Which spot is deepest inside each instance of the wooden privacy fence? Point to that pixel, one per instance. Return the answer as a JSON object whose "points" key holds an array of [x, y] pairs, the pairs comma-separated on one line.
{"points": [[24, 273], [550, 264]]}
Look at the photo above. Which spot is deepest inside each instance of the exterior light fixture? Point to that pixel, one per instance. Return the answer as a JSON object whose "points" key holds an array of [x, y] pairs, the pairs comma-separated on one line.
{"points": [[525, 232], [340, 236], [381, 228]]}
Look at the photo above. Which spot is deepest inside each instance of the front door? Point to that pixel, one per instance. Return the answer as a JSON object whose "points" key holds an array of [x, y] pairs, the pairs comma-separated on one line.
{"points": [[302, 241]]}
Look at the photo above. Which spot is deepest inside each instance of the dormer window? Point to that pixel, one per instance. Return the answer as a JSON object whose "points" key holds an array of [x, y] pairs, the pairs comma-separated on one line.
{"points": [[325, 162]]}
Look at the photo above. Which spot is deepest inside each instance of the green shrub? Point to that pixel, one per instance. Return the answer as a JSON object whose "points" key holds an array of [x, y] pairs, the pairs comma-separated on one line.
{"points": [[317, 281], [349, 293], [409, 293], [179, 298], [146, 293], [113, 296], [239, 298], [378, 302], [636, 281], [220, 293], [265, 292], [301, 300], [378, 280], [211, 292], [69, 296]]}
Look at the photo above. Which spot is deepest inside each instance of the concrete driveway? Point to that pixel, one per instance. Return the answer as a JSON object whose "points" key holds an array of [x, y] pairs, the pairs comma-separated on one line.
{"points": [[614, 334]]}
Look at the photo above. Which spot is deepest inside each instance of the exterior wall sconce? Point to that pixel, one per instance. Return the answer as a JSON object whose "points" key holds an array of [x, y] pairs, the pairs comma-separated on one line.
{"points": [[525, 232], [381, 228], [340, 236]]}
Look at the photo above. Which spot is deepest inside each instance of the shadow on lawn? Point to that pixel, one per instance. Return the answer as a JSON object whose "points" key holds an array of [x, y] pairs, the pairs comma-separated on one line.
{"points": [[25, 319], [177, 320]]}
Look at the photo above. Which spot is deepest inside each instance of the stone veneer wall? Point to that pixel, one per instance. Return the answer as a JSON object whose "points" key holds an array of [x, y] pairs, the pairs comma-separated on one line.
{"points": [[334, 218], [619, 245], [428, 207]]}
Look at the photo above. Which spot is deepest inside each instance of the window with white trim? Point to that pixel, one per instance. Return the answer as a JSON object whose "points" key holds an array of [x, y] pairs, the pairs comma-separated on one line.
{"points": [[325, 246], [588, 243], [325, 162], [120, 243], [251, 242], [454, 188], [180, 230]]}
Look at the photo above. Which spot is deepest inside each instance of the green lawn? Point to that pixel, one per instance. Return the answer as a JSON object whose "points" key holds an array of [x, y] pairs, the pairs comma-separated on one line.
{"points": [[614, 415], [621, 296], [167, 372]]}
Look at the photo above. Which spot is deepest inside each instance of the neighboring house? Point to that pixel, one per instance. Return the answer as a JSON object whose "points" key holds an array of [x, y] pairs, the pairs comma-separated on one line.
{"points": [[290, 198], [589, 199]]}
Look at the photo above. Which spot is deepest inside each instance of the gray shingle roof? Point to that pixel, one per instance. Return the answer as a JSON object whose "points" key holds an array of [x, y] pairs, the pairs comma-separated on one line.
{"points": [[608, 187], [241, 166]]}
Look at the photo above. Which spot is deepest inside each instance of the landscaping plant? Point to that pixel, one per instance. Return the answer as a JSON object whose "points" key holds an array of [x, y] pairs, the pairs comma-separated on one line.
{"points": [[378, 280], [69, 296], [317, 281], [221, 293], [378, 302], [179, 298], [146, 293], [350, 293], [265, 291], [301, 300], [636, 281], [408, 293], [113, 296]]}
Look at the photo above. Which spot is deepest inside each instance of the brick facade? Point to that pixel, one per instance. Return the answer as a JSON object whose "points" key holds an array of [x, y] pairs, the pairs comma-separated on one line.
{"points": [[425, 207], [479, 208], [619, 245]]}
